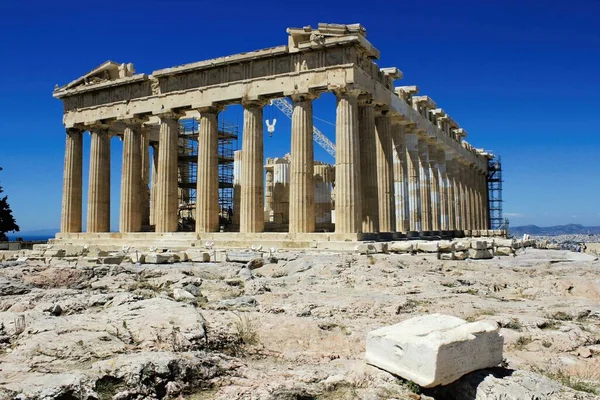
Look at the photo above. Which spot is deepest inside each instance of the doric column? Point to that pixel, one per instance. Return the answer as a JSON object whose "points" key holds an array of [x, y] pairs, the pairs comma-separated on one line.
{"points": [[385, 173], [302, 187], [154, 165], [251, 204], [368, 167], [414, 181], [465, 177], [348, 202], [166, 211], [479, 188], [463, 200], [237, 186], [145, 179], [472, 197], [98, 216], [451, 194], [443, 179], [434, 185], [130, 216], [72, 183], [425, 183], [207, 179], [401, 202], [486, 199]]}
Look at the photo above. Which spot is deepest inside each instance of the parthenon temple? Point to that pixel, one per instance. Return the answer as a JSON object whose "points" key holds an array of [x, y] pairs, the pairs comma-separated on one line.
{"points": [[403, 168]]}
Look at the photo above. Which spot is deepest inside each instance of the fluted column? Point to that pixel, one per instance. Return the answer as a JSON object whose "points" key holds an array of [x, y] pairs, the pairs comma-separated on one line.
{"points": [[72, 183], [462, 197], [425, 183], [166, 217], [348, 202], [98, 216], [130, 216], [368, 167], [145, 176], [414, 181], [401, 198], [153, 185], [486, 206], [207, 178], [443, 175], [251, 203], [385, 173], [451, 194], [472, 197], [302, 187], [466, 197], [435, 189], [237, 186]]}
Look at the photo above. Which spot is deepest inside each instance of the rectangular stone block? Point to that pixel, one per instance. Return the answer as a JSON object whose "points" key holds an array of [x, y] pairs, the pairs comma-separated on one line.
{"points": [[242, 257], [195, 255], [401, 247], [462, 245], [479, 244], [499, 242], [435, 349], [480, 254], [446, 246], [503, 251], [428, 247], [461, 255]]}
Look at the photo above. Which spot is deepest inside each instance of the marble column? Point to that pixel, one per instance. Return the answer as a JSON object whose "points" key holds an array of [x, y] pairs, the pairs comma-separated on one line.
{"points": [[435, 189], [237, 186], [70, 221], [348, 201], [463, 199], [385, 173], [302, 187], [472, 197], [368, 167], [443, 179], [207, 178], [451, 194], [166, 210], [251, 203], [414, 184], [154, 166], [466, 190], [425, 183], [486, 205], [145, 175], [130, 216], [401, 197], [98, 215]]}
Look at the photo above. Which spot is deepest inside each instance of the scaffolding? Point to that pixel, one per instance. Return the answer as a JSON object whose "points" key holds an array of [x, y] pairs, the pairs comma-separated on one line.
{"points": [[494, 182], [188, 170]]}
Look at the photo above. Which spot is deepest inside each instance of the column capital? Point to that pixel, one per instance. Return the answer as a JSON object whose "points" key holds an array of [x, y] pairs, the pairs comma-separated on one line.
{"points": [[133, 121], [254, 103], [347, 92], [307, 96], [213, 109], [168, 114]]}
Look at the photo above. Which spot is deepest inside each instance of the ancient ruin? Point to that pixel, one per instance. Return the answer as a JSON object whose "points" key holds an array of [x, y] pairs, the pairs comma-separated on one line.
{"points": [[403, 168]]}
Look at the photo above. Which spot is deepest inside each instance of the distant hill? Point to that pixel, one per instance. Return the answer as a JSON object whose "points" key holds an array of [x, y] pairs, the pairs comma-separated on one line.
{"points": [[570, 229]]}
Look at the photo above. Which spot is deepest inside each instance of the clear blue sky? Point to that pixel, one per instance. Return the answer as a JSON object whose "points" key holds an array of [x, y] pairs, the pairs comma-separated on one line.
{"points": [[522, 77]]}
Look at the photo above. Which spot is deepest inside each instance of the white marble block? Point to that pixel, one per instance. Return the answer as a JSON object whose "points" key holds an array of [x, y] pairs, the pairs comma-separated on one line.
{"points": [[434, 349]]}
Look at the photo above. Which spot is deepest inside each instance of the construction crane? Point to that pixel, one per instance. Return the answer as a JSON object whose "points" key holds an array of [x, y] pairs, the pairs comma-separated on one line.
{"points": [[284, 105]]}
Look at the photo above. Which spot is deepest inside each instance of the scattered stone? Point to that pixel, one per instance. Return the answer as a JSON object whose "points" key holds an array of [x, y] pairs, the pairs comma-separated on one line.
{"points": [[428, 247], [255, 263], [461, 255], [9, 287], [245, 274], [238, 302], [241, 257], [503, 251], [160, 258], [434, 349], [182, 295], [192, 289]]}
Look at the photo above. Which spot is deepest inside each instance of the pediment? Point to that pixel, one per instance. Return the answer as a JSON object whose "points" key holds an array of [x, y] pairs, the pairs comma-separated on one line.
{"points": [[107, 71]]}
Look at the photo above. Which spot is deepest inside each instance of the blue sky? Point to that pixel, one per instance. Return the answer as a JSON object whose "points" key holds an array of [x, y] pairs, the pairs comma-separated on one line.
{"points": [[522, 77]]}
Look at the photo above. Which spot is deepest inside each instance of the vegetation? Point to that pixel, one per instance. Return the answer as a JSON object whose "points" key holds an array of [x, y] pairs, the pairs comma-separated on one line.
{"points": [[7, 221]]}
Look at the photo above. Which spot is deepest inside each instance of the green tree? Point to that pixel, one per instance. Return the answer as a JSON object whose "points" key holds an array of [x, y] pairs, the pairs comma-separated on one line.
{"points": [[7, 221]]}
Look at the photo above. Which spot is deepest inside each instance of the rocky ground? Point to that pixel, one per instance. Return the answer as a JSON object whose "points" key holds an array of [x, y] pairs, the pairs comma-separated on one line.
{"points": [[293, 328]]}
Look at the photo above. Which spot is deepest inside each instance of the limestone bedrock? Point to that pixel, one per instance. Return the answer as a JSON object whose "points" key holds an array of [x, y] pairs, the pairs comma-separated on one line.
{"points": [[434, 349]]}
